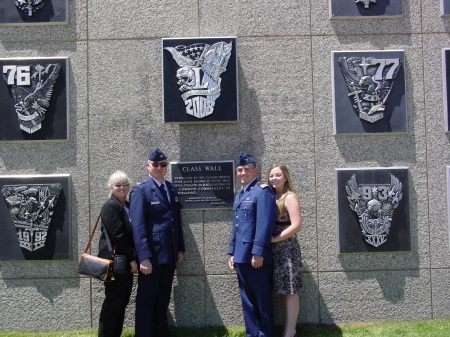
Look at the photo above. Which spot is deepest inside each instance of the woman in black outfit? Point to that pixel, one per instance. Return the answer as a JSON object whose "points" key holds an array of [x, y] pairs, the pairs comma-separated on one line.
{"points": [[115, 220]]}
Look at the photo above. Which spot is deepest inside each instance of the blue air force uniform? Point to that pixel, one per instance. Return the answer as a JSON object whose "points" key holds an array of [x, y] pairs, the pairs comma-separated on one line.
{"points": [[254, 213], [158, 235]]}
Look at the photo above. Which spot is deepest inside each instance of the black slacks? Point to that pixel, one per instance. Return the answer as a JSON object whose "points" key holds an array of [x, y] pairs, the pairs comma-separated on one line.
{"points": [[112, 315]]}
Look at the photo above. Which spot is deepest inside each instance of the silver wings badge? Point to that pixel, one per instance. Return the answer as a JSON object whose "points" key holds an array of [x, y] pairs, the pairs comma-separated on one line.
{"points": [[198, 77], [374, 205], [369, 81]]}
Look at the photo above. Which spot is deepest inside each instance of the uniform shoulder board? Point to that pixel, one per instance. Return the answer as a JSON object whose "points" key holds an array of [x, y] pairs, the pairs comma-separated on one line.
{"points": [[262, 185], [141, 182]]}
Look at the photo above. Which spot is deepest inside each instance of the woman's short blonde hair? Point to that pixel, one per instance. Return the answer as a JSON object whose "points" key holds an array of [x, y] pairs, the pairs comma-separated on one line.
{"points": [[117, 176]]}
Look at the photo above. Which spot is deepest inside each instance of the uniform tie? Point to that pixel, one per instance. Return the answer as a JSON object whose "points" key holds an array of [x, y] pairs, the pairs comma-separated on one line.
{"points": [[164, 193]]}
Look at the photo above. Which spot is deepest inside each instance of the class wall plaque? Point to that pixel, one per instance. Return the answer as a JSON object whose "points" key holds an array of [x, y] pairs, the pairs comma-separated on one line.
{"points": [[369, 92], [357, 9], [200, 83], [373, 210], [35, 217], [34, 12], [34, 96], [203, 184]]}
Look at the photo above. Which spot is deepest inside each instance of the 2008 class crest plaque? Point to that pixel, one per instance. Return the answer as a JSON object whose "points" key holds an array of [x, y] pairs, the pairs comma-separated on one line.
{"points": [[200, 80]]}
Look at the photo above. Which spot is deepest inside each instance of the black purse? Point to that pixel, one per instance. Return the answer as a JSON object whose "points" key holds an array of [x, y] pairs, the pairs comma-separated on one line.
{"points": [[94, 266]]}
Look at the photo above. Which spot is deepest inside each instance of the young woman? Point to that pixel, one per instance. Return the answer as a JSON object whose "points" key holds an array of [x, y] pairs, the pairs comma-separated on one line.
{"points": [[287, 278]]}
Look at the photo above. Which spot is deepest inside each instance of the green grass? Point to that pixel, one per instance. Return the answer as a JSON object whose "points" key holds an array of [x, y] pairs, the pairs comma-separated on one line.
{"points": [[428, 328]]}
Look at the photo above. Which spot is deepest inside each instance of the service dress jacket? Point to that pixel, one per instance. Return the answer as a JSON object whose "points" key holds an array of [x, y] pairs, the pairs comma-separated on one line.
{"points": [[157, 226], [115, 220], [254, 214]]}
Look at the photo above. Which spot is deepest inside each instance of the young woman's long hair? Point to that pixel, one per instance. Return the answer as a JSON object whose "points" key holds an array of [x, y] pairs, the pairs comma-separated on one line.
{"points": [[287, 188]]}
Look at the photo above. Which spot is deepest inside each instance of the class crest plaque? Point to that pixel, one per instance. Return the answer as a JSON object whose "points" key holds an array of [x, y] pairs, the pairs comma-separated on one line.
{"points": [[31, 208], [34, 12], [200, 80], [35, 217], [359, 9], [373, 210], [369, 86], [34, 97]]}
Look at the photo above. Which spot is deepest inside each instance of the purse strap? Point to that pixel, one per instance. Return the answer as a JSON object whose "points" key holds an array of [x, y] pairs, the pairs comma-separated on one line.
{"points": [[92, 235], [108, 242]]}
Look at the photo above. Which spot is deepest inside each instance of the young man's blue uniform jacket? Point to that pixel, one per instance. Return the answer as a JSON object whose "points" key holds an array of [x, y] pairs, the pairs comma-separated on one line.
{"points": [[254, 215]]}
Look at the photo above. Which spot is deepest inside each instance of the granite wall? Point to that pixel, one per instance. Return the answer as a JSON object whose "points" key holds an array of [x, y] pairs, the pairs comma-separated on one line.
{"points": [[286, 115]]}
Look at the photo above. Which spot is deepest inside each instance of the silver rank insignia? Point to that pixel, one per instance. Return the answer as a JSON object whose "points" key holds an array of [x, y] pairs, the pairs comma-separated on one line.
{"points": [[366, 3], [31, 208], [30, 6], [198, 77], [374, 205], [31, 88], [369, 81]]}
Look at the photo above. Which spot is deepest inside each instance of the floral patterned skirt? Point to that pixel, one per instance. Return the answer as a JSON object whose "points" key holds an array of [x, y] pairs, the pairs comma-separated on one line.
{"points": [[287, 263]]}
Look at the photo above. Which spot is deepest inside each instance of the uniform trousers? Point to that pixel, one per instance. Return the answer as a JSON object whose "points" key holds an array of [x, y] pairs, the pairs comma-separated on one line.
{"points": [[152, 301], [112, 315], [255, 285]]}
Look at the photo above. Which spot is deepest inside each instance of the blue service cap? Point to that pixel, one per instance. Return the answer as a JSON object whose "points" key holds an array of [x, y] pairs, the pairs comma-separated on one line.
{"points": [[244, 159], [157, 155]]}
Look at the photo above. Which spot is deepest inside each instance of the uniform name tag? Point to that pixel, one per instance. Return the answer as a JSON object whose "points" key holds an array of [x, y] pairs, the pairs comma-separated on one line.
{"points": [[155, 202]]}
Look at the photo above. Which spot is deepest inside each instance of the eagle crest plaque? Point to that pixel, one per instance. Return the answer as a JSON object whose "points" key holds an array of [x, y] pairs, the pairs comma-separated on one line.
{"points": [[374, 205], [31, 208], [30, 6], [373, 210], [34, 98], [369, 92], [200, 83]]}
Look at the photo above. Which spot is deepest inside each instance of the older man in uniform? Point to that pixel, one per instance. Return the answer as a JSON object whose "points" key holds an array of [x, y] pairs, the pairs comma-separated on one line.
{"points": [[158, 235], [254, 213]]}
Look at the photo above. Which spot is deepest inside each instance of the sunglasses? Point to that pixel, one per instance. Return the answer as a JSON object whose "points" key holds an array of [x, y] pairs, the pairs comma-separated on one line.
{"points": [[159, 164], [123, 184]]}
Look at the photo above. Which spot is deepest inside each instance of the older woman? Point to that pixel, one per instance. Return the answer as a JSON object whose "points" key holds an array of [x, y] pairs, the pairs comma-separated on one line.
{"points": [[287, 278], [115, 221]]}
